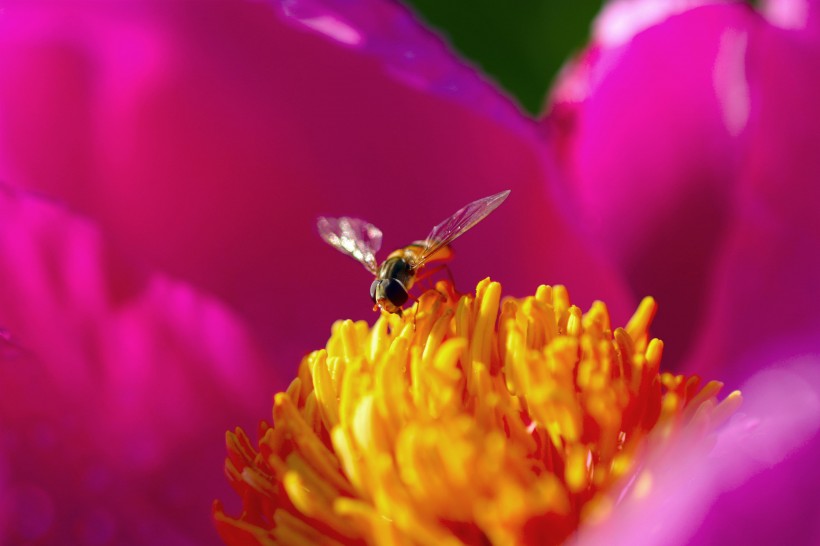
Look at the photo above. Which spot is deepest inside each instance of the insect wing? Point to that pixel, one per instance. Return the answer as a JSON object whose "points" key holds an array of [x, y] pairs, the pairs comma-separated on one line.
{"points": [[354, 237], [455, 226]]}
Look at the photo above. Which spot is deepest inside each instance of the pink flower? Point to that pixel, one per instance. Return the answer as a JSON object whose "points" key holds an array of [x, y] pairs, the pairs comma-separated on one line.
{"points": [[203, 142]]}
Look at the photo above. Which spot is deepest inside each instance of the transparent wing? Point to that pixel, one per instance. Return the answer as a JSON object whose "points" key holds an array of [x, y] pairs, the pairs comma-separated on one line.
{"points": [[354, 237], [454, 226]]}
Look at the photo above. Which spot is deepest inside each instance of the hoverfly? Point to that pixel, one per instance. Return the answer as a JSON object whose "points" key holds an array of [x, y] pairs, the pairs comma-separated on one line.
{"points": [[397, 273]]}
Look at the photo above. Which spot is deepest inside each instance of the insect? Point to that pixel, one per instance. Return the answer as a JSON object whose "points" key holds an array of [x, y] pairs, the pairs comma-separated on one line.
{"points": [[397, 273]]}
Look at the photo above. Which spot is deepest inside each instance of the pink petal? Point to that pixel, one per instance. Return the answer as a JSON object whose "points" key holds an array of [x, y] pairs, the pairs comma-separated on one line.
{"points": [[413, 54], [800, 16], [649, 136], [755, 452], [207, 141], [772, 249], [690, 150], [620, 20], [776, 434], [116, 389]]}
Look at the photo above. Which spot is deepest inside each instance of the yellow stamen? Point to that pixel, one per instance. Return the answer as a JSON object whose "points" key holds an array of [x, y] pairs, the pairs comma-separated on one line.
{"points": [[468, 420]]}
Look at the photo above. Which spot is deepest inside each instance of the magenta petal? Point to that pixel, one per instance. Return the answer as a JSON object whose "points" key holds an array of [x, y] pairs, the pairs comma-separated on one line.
{"points": [[800, 16], [695, 479], [772, 250], [621, 20], [701, 151], [389, 32], [116, 388], [649, 135], [777, 433], [235, 130]]}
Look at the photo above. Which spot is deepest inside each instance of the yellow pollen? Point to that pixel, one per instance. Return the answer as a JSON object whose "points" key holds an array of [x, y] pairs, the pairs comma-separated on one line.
{"points": [[468, 420]]}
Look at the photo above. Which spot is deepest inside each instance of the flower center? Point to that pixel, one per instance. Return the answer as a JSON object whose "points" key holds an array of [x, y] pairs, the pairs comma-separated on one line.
{"points": [[469, 420]]}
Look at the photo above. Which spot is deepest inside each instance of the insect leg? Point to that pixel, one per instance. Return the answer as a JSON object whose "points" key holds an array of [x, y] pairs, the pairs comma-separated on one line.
{"points": [[428, 272]]}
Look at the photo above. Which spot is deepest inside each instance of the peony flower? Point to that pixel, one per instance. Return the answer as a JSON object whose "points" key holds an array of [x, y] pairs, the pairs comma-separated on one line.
{"points": [[203, 142], [470, 420]]}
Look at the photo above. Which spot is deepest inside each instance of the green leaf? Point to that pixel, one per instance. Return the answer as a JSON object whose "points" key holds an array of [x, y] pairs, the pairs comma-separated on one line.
{"points": [[520, 44]]}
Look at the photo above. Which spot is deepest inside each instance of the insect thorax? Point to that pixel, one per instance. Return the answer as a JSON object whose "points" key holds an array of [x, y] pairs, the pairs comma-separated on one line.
{"points": [[397, 266]]}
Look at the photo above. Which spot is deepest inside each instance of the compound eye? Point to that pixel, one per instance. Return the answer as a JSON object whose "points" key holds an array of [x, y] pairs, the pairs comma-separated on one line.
{"points": [[395, 292], [373, 288]]}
